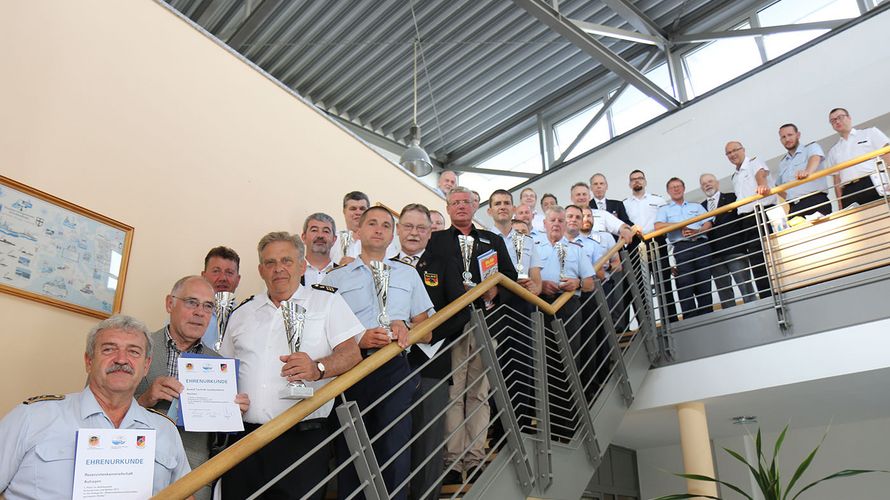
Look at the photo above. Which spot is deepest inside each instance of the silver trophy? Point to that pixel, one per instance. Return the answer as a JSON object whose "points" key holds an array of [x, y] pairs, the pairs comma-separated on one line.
{"points": [[380, 271], [466, 251], [561, 252], [345, 239], [223, 305], [519, 246], [294, 320]]}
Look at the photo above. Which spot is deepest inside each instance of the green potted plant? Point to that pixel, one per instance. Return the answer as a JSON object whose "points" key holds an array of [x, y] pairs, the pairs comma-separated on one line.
{"points": [[767, 474]]}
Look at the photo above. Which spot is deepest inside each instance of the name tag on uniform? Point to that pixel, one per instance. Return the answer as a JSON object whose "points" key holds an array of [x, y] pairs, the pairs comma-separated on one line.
{"points": [[114, 463]]}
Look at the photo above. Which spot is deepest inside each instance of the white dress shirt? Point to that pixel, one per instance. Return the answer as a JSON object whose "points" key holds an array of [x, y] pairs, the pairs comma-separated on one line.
{"points": [[744, 181], [314, 276], [642, 210], [600, 203], [538, 221], [256, 336], [609, 224], [858, 143]]}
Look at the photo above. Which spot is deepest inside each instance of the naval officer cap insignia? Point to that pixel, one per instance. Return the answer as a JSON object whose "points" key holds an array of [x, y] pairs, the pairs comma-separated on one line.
{"points": [[45, 397], [326, 288]]}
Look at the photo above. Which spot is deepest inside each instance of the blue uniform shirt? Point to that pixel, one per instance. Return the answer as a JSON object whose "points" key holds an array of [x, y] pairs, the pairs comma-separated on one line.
{"points": [[673, 213], [37, 443], [791, 163], [406, 296], [578, 264], [595, 245], [211, 335]]}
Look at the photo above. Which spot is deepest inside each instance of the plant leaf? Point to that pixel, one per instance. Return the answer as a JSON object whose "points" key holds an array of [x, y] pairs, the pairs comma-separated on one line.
{"points": [[843, 473], [757, 476], [803, 467], [699, 477], [685, 495]]}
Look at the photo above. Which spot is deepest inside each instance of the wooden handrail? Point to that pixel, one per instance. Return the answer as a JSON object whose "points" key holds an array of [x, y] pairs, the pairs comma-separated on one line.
{"points": [[225, 460], [778, 189], [387, 207]]}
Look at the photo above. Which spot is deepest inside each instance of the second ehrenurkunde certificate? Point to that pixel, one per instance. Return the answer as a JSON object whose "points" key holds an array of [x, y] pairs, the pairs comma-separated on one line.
{"points": [[207, 400]]}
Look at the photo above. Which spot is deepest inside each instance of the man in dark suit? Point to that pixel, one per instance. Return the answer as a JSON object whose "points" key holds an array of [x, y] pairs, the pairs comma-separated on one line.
{"points": [[598, 187], [442, 269], [727, 245]]}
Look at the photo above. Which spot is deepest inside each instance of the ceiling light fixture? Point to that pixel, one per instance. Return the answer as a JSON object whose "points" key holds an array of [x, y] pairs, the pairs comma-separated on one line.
{"points": [[415, 159], [744, 419]]}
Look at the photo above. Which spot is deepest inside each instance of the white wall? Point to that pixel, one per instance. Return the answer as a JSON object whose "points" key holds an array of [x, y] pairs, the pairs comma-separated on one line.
{"points": [[850, 69], [859, 445]]}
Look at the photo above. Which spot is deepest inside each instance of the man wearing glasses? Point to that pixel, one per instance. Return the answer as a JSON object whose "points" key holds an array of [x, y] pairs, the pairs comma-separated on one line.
{"points": [[442, 266], [751, 177], [190, 305], [855, 184]]}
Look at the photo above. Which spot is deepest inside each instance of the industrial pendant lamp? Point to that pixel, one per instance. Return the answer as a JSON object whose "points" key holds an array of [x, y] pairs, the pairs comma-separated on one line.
{"points": [[415, 159]]}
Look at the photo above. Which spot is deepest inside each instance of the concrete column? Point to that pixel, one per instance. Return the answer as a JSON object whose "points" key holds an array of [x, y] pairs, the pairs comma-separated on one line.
{"points": [[696, 444]]}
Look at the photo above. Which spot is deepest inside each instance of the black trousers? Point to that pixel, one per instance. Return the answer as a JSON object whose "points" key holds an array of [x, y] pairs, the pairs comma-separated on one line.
{"points": [[693, 276], [256, 470], [392, 409], [562, 418], [810, 204], [861, 190], [754, 249]]}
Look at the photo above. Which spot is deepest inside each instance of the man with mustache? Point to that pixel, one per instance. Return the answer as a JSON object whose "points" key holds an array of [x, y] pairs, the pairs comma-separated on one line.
{"points": [[190, 305], [38, 437], [319, 233]]}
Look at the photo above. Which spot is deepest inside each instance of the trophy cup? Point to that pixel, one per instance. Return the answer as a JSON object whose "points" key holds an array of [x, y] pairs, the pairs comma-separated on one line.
{"points": [[561, 252], [519, 246], [466, 251], [294, 320], [223, 305], [345, 239], [380, 271]]}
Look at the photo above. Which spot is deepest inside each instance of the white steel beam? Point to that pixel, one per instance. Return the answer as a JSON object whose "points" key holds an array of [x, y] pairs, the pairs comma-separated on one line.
{"points": [[769, 30]]}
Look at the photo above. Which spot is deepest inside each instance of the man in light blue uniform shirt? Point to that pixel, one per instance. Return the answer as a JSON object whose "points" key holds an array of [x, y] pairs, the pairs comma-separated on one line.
{"points": [[221, 269], [407, 302], [500, 209], [38, 437], [799, 163], [690, 248]]}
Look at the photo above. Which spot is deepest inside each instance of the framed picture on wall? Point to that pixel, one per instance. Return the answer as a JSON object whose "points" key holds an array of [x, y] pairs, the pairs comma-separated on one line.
{"points": [[55, 252]]}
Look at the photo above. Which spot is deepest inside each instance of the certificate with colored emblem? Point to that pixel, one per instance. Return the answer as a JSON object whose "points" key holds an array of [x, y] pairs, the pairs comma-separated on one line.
{"points": [[207, 401], [114, 463]]}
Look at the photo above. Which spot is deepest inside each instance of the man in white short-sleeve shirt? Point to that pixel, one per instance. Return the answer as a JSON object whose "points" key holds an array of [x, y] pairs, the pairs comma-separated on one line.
{"points": [[856, 183], [256, 336]]}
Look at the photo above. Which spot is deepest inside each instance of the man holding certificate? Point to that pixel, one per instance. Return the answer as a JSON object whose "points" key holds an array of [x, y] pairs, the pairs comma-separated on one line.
{"points": [[94, 442], [290, 340], [190, 305], [386, 295]]}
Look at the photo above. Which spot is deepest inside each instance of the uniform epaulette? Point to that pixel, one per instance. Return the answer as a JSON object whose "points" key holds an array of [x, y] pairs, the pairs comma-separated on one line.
{"points": [[576, 244], [245, 301], [156, 412], [326, 288], [810, 144], [45, 397]]}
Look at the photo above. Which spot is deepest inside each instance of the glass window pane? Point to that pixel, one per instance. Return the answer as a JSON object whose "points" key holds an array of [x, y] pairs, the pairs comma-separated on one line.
{"points": [[523, 156], [634, 107], [801, 11], [567, 130], [721, 61], [485, 184]]}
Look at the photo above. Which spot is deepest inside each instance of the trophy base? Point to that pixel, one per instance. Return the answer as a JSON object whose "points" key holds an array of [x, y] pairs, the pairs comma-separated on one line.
{"points": [[469, 284], [296, 392], [522, 276]]}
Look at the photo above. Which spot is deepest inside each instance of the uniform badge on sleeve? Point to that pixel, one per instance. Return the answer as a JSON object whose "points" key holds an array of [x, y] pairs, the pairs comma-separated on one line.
{"points": [[430, 279]]}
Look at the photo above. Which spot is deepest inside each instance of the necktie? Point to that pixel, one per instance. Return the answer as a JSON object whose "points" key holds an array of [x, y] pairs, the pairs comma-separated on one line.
{"points": [[712, 203], [411, 260], [601, 204]]}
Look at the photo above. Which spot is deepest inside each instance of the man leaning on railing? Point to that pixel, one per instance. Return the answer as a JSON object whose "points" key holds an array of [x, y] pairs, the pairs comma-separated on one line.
{"points": [[256, 336]]}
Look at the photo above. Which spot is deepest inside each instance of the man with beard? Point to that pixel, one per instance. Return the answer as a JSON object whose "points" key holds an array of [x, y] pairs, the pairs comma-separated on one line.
{"points": [[38, 438], [447, 181], [319, 233], [221, 269], [190, 305], [799, 163], [727, 245]]}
